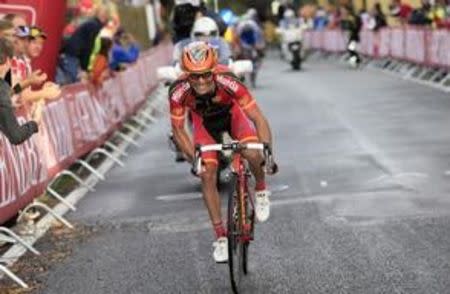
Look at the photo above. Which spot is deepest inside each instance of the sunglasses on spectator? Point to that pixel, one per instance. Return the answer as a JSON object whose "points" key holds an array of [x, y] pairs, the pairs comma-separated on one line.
{"points": [[201, 34], [205, 76]]}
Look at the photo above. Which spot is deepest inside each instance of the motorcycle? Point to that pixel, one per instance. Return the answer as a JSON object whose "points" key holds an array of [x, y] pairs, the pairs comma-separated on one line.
{"points": [[292, 45], [353, 57], [254, 56]]}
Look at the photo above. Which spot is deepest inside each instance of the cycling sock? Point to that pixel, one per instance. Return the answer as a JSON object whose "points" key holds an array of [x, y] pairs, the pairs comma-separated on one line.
{"points": [[219, 230], [260, 186]]}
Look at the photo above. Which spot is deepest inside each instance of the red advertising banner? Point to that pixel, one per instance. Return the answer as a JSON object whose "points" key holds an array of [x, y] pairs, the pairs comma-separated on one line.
{"points": [[72, 126]]}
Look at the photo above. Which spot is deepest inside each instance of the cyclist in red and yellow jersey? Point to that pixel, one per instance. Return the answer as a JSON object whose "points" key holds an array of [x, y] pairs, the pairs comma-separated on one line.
{"points": [[218, 102]]}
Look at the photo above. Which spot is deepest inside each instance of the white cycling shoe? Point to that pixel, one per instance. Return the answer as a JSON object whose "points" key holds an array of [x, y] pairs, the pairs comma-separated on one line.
{"points": [[262, 205], [220, 253]]}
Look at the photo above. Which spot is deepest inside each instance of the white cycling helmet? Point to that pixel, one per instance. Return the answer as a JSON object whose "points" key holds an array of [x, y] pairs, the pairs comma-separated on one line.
{"points": [[205, 27]]}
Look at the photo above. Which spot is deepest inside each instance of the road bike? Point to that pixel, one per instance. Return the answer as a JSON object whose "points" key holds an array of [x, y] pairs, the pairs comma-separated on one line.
{"points": [[241, 211]]}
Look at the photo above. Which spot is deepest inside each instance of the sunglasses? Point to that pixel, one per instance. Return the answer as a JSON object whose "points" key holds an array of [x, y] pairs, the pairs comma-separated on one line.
{"points": [[205, 76], [201, 34]]}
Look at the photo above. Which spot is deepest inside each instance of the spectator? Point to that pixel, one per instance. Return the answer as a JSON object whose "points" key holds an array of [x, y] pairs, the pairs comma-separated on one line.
{"points": [[9, 126], [77, 49], [108, 31], [125, 50], [100, 68], [7, 30], [16, 82], [379, 19], [184, 15], [438, 14], [400, 10], [83, 11], [320, 19], [21, 68], [16, 20], [35, 99], [421, 15], [367, 22]]}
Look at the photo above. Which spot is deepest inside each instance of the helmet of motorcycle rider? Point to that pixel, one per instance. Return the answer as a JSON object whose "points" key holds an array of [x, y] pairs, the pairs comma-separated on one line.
{"points": [[289, 14], [204, 29], [195, 3], [198, 57]]}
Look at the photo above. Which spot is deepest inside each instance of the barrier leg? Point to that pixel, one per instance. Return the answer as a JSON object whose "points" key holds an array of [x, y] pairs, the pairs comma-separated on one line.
{"points": [[13, 277], [75, 177], [426, 75], [49, 210], [18, 239], [140, 122], [444, 80], [91, 169], [133, 129], [413, 72], [437, 75], [148, 116], [60, 198], [127, 138], [107, 154], [109, 144]]}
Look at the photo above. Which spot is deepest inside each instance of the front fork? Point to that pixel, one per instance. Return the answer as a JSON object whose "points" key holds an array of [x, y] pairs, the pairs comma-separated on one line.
{"points": [[246, 220]]}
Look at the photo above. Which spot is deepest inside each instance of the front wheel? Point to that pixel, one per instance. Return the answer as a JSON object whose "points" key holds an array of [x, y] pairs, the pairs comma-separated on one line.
{"points": [[236, 248], [296, 61]]}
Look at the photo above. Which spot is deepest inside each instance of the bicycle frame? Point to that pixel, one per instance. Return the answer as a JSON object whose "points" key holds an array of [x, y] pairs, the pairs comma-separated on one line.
{"points": [[240, 168]]}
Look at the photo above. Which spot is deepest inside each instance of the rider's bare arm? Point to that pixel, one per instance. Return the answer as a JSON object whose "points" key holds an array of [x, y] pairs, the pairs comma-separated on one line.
{"points": [[183, 141], [246, 101], [178, 118], [261, 124]]}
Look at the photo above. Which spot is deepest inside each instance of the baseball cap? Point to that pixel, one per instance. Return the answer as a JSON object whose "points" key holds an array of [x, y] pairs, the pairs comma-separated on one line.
{"points": [[36, 32]]}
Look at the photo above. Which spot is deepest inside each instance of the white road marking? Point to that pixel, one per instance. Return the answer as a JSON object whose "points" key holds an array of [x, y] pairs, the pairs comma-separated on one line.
{"points": [[178, 197]]}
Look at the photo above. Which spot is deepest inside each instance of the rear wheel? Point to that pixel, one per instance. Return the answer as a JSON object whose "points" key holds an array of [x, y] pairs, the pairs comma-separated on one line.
{"points": [[236, 249]]}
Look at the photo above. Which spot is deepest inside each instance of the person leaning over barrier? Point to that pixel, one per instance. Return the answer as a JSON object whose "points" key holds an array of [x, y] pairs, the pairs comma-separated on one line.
{"points": [[36, 78], [9, 126], [35, 99]]}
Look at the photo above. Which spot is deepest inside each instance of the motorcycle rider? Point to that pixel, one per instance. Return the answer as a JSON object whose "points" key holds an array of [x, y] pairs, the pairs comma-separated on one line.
{"points": [[290, 30], [351, 23], [205, 29]]}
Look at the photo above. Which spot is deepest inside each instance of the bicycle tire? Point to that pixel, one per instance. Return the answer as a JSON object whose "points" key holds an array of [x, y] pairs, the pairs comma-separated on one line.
{"points": [[245, 258], [235, 247]]}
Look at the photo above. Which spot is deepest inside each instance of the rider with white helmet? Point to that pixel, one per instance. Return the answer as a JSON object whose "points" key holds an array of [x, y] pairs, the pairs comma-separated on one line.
{"points": [[205, 29]]}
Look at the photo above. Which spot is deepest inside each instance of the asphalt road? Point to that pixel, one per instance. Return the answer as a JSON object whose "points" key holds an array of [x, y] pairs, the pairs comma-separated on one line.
{"points": [[361, 204]]}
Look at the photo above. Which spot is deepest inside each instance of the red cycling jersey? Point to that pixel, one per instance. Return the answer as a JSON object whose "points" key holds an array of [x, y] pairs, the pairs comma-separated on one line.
{"points": [[230, 94]]}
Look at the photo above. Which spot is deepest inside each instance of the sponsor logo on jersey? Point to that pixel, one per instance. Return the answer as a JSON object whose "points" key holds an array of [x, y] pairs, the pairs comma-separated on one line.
{"points": [[228, 82], [180, 91]]}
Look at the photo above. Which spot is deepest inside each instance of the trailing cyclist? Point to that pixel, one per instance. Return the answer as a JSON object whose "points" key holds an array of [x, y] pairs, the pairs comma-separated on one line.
{"points": [[250, 42]]}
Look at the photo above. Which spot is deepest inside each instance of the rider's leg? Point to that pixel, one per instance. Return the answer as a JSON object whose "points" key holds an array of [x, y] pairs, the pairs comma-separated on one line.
{"points": [[211, 197], [243, 130], [209, 175], [255, 160], [212, 201]]}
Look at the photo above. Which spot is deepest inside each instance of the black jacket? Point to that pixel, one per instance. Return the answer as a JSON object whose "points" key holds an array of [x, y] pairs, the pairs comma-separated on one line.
{"points": [[9, 126], [82, 41]]}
